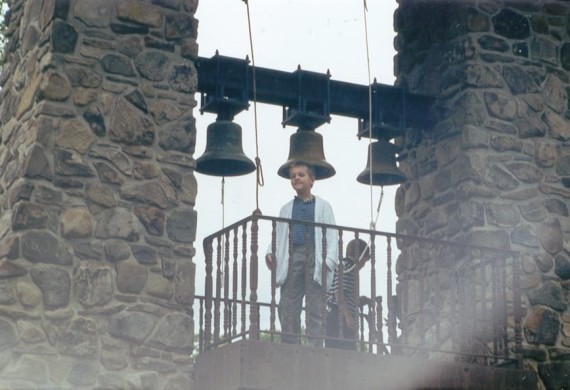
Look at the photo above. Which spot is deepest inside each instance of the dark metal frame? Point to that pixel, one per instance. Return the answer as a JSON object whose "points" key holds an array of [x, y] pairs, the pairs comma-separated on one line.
{"points": [[309, 98]]}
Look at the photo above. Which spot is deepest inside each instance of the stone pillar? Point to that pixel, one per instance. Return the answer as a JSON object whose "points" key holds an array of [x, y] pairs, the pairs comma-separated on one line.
{"points": [[496, 169], [97, 194]]}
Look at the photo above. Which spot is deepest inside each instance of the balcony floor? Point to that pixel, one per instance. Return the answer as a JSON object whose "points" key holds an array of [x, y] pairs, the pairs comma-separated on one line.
{"points": [[257, 365]]}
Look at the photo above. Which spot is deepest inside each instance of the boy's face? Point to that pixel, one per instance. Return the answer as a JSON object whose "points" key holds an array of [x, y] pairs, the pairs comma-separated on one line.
{"points": [[301, 180]]}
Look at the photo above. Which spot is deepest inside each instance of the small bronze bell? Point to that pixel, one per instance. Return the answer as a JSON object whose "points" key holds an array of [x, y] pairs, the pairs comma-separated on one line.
{"points": [[224, 154], [307, 146], [384, 169]]}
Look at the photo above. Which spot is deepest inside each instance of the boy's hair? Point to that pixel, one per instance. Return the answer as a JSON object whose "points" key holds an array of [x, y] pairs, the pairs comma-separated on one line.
{"points": [[357, 248], [310, 169]]}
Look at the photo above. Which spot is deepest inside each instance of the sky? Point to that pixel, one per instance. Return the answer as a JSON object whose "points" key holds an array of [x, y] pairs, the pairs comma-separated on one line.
{"points": [[318, 36]]}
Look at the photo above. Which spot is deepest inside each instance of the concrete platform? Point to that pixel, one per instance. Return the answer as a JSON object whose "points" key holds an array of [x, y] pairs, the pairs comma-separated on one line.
{"points": [[256, 365]]}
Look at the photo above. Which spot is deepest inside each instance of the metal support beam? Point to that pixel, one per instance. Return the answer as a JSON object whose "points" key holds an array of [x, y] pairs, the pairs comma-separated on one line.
{"points": [[226, 85]]}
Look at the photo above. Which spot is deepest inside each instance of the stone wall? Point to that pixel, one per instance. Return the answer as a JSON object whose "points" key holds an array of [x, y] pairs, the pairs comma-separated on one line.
{"points": [[97, 194], [496, 169]]}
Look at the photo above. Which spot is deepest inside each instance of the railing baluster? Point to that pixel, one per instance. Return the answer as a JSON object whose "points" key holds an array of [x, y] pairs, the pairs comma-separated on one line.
{"points": [[340, 286], [362, 303], [200, 327], [356, 281], [372, 310], [243, 279], [380, 335], [273, 278], [254, 310], [218, 292], [287, 327], [392, 331], [235, 283], [208, 286], [356, 277], [308, 277], [226, 275], [324, 277]]}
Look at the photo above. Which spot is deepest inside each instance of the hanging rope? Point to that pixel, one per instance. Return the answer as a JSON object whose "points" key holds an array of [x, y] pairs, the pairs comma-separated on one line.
{"points": [[259, 182], [370, 162]]}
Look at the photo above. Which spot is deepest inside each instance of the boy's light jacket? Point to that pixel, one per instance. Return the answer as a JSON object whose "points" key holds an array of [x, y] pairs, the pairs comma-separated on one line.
{"points": [[323, 214]]}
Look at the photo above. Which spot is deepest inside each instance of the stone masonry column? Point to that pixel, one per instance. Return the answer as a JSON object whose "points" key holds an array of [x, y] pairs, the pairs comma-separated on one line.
{"points": [[97, 194], [496, 169]]}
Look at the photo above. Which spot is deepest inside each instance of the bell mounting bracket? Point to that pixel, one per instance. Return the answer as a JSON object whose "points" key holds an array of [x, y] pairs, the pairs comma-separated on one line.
{"points": [[309, 99], [229, 94], [313, 101]]}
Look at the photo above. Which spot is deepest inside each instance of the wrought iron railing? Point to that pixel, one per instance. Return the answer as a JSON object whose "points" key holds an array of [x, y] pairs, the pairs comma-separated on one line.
{"points": [[452, 300]]}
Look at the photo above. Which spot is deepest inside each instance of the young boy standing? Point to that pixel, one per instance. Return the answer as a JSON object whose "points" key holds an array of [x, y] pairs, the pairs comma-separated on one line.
{"points": [[342, 303], [304, 279]]}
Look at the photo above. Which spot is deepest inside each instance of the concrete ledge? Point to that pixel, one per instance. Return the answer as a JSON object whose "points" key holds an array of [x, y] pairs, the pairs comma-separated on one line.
{"points": [[256, 365]]}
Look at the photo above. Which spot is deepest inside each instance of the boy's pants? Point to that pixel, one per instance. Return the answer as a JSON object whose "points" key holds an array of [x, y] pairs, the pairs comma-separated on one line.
{"points": [[300, 284], [349, 335]]}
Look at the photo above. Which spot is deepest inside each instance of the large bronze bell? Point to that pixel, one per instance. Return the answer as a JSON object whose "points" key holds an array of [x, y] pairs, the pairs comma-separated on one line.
{"points": [[384, 169], [224, 154], [307, 146]]}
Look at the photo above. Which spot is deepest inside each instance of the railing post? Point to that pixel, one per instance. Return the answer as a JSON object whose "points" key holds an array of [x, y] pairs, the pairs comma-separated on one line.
{"points": [[209, 291], [380, 348], [253, 309]]}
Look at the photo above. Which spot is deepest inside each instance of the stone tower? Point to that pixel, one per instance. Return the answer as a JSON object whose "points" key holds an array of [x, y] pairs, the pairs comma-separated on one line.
{"points": [[97, 194], [496, 169]]}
